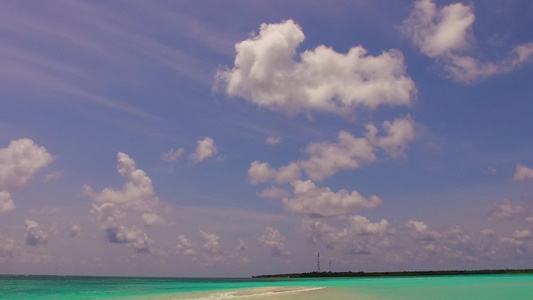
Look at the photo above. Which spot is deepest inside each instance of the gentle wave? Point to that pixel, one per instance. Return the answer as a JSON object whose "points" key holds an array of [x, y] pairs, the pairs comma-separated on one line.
{"points": [[253, 293]]}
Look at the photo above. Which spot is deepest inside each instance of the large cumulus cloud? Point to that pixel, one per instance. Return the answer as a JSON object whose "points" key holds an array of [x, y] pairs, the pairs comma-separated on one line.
{"points": [[269, 72]]}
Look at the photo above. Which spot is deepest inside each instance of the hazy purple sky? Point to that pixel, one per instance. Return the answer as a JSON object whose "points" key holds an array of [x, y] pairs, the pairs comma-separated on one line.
{"points": [[234, 138]]}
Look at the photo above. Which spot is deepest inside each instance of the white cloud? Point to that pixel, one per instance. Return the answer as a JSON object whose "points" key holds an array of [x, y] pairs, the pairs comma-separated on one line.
{"points": [[132, 236], [322, 202], [487, 232], [211, 243], [287, 173], [524, 234], [492, 170], [120, 210], [274, 193], [172, 155], [152, 219], [362, 226], [452, 245], [260, 172], [273, 140], [205, 148], [326, 158], [507, 210], [318, 231], [266, 73], [34, 235], [437, 32], [20, 161], [523, 173], [356, 238], [273, 239], [137, 194], [6, 203], [212, 247], [184, 247], [238, 251], [74, 230], [420, 231], [511, 242], [400, 133], [467, 69], [52, 176], [443, 33]]}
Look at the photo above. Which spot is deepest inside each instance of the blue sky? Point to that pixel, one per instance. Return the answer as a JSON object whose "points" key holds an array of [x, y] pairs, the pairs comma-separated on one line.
{"points": [[198, 138]]}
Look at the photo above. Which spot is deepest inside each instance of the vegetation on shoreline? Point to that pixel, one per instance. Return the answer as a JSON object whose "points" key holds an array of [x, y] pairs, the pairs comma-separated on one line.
{"points": [[397, 274]]}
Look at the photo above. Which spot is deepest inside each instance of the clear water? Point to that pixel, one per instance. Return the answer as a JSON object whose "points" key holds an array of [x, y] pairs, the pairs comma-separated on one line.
{"points": [[471, 287]]}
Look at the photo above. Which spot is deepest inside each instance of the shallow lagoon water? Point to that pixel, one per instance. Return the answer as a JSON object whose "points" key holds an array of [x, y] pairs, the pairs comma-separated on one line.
{"points": [[471, 287]]}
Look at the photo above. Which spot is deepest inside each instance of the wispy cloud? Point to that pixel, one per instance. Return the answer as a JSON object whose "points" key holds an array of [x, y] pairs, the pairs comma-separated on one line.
{"points": [[77, 52]]}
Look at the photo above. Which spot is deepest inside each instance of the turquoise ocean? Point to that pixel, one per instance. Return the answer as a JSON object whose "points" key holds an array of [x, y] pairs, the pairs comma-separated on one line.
{"points": [[486, 287]]}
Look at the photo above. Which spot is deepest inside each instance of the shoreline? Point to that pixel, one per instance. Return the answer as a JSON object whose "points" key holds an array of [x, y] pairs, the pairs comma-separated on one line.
{"points": [[272, 292]]}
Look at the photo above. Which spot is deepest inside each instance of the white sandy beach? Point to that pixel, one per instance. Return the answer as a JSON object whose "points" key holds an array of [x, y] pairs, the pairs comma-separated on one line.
{"points": [[271, 293]]}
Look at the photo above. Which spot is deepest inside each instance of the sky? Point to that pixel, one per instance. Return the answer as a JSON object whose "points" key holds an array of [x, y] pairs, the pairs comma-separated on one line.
{"points": [[237, 138]]}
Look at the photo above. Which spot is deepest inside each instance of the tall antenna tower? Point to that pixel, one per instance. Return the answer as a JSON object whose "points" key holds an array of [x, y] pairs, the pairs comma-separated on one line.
{"points": [[330, 265], [318, 263]]}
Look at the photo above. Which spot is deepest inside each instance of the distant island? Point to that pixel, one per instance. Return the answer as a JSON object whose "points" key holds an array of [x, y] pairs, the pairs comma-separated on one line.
{"points": [[397, 274]]}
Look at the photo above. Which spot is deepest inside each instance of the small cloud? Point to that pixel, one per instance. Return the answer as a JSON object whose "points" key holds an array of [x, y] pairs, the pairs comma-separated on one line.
{"points": [[492, 170], [522, 173], [52, 176], [211, 246], [262, 172], [315, 202], [6, 203], [134, 237], [273, 140], [273, 239], [522, 234], [20, 161], [508, 210], [184, 247], [172, 155], [362, 226], [205, 148], [444, 33], [151, 219], [274, 193], [34, 235], [421, 231], [74, 230]]}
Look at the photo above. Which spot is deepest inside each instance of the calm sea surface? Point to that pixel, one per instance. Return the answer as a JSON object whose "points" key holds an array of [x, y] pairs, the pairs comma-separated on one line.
{"points": [[471, 287]]}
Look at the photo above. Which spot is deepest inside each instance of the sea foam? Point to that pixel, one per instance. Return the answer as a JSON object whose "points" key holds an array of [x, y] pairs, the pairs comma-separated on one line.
{"points": [[250, 293]]}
